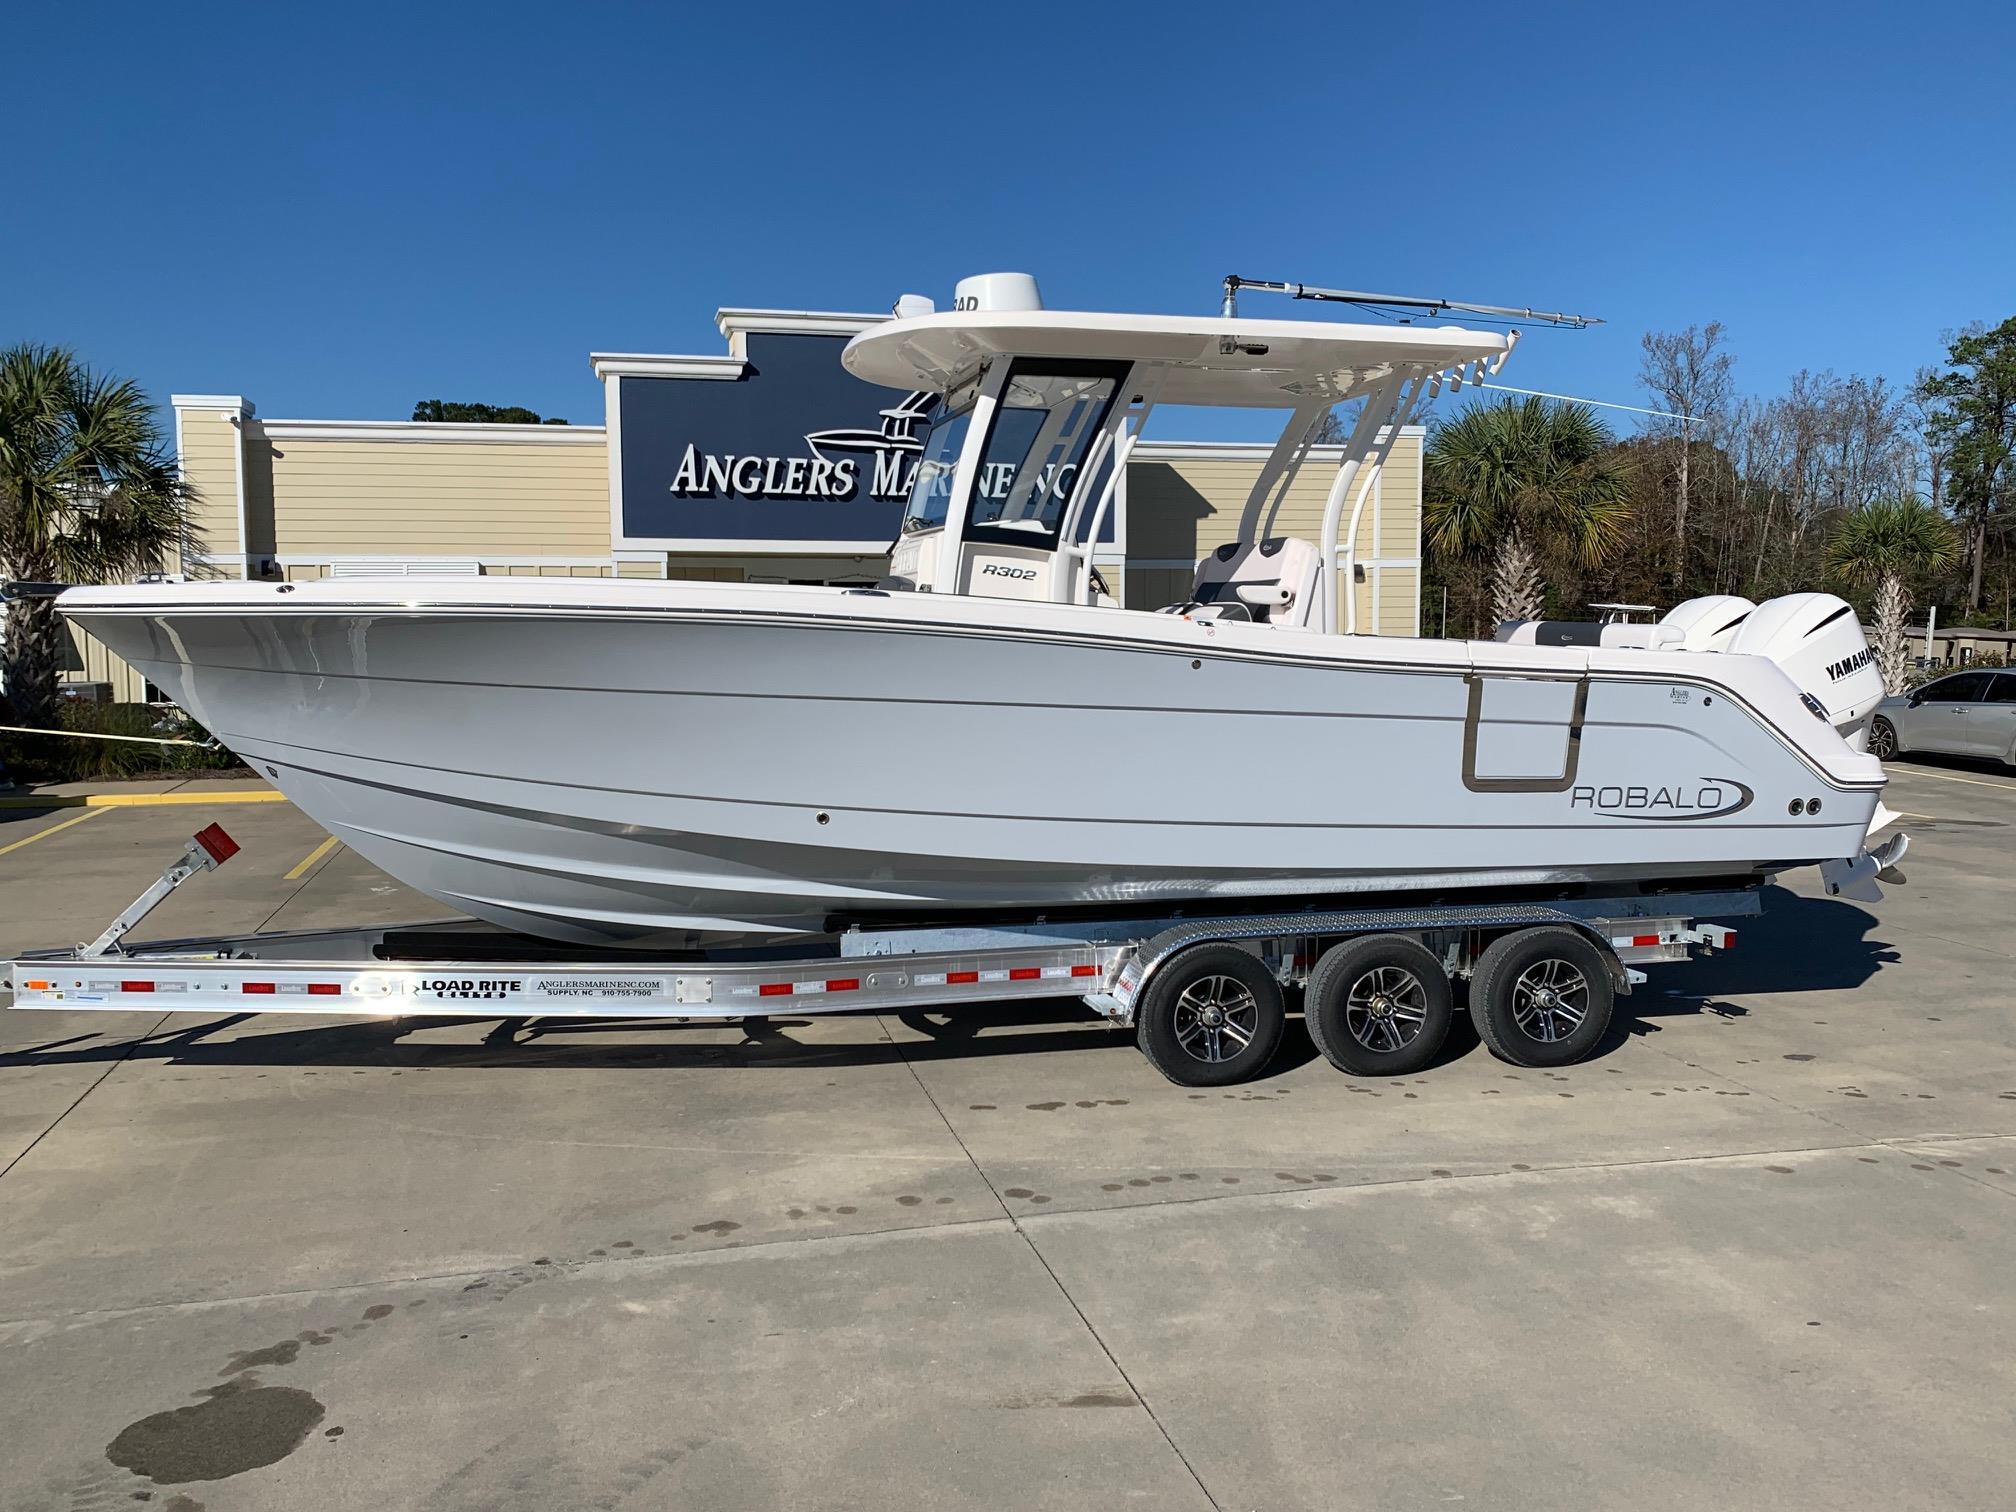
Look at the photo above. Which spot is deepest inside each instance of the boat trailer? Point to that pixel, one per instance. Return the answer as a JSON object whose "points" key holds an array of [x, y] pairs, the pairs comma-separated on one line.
{"points": [[1205, 994]]}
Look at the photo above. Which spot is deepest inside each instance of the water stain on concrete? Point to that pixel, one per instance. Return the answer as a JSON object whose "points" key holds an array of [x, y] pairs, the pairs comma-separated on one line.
{"points": [[384, 1309], [238, 1427], [724, 1226], [283, 1353], [1043, 1107]]}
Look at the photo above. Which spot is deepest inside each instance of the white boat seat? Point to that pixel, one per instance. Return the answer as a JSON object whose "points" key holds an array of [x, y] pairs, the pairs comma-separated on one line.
{"points": [[1268, 582]]}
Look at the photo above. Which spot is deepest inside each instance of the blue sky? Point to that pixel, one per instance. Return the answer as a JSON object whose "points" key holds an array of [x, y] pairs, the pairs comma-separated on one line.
{"points": [[339, 210]]}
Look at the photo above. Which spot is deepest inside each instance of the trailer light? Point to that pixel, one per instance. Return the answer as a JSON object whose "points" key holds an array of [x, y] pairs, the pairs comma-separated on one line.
{"points": [[1024, 974], [1084, 971], [1645, 939], [843, 984], [265, 987], [136, 986], [325, 989], [220, 846], [774, 989], [956, 977], [35, 986]]}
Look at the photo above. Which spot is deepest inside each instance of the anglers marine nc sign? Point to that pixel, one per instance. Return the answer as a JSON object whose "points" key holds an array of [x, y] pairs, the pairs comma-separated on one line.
{"points": [[842, 460], [795, 449]]}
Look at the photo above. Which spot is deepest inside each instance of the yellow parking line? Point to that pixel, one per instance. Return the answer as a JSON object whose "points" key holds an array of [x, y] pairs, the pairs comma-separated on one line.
{"points": [[2007, 787], [44, 834], [138, 800], [311, 858]]}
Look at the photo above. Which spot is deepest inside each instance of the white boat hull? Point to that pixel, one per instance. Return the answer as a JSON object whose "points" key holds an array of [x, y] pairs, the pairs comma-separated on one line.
{"points": [[664, 762]]}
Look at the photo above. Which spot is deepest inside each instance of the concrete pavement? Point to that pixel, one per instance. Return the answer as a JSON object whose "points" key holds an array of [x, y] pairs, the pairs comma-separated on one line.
{"points": [[1752, 1253]]}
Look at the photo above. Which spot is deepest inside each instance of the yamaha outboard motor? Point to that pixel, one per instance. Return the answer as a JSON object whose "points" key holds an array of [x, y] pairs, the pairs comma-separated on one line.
{"points": [[1709, 623], [1815, 638]]}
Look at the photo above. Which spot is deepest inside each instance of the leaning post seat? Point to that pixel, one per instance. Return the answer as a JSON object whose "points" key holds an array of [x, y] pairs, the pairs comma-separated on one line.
{"points": [[1270, 582]]}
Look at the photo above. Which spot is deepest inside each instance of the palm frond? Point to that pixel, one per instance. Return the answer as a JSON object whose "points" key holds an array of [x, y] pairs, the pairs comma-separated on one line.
{"points": [[1901, 537]]}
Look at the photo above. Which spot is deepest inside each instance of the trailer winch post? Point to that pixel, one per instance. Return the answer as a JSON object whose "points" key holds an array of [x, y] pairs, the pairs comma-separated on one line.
{"points": [[206, 850]]}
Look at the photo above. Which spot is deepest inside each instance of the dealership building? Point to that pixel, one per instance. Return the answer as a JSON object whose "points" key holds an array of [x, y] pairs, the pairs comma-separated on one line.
{"points": [[766, 463]]}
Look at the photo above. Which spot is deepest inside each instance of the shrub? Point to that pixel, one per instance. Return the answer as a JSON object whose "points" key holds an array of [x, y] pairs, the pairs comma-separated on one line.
{"points": [[53, 758]]}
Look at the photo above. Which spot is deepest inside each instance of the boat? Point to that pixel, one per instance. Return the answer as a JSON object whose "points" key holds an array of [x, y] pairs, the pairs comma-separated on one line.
{"points": [[653, 763]]}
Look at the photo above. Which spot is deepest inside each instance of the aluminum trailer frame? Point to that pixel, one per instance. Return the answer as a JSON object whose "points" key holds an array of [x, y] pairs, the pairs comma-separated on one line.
{"points": [[1108, 965]]}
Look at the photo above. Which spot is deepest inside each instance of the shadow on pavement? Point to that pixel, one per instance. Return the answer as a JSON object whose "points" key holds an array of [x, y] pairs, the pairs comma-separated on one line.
{"points": [[524, 1044], [1798, 944]]}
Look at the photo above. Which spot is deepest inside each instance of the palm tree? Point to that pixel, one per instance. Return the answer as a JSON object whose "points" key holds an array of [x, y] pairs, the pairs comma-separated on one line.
{"points": [[1519, 475], [88, 493], [1887, 543]]}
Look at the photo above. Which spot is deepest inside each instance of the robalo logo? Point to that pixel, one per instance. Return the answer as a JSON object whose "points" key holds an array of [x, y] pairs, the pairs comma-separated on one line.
{"points": [[1701, 798]]}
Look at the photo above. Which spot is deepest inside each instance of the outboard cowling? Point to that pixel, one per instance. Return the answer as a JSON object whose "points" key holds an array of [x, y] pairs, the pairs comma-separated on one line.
{"points": [[1709, 623], [1815, 638]]}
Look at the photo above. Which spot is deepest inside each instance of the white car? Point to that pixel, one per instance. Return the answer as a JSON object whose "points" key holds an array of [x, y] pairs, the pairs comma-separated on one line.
{"points": [[1965, 714]]}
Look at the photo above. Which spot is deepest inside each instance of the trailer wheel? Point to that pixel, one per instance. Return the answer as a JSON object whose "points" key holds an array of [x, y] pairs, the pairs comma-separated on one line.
{"points": [[1378, 1006], [1541, 997], [1211, 1016]]}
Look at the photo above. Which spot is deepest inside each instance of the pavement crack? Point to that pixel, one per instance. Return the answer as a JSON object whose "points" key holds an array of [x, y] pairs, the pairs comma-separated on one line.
{"points": [[1057, 1281], [134, 1044]]}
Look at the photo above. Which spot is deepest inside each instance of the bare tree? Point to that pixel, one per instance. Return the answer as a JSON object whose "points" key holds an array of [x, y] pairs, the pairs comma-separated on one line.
{"points": [[1924, 414], [1688, 372]]}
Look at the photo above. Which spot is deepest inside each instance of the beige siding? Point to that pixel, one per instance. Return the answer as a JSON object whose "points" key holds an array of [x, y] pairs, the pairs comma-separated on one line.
{"points": [[641, 569], [210, 466], [1156, 587], [86, 660], [1180, 508], [1399, 600], [436, 498], [693, 572]]}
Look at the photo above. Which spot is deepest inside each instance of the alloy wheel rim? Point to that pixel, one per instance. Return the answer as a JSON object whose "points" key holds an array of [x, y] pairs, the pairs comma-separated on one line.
{"points": [[1883, 742], [1550, 1000], [1386, 1009], [1216, 1019]]}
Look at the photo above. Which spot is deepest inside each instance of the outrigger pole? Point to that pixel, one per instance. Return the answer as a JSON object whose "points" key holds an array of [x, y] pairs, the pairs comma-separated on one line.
{"points": [[1234, 283]]}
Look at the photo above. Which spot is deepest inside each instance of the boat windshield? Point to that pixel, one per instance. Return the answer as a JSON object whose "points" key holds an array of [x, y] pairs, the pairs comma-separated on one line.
{"points": [[1044, 426], [931, 483]]}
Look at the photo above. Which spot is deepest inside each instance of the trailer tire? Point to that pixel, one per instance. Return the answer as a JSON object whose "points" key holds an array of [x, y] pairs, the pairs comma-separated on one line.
{"points": [[1379, 1006], [1542, 997], [1212, 1016]]}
